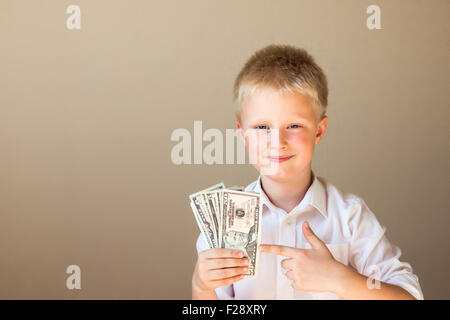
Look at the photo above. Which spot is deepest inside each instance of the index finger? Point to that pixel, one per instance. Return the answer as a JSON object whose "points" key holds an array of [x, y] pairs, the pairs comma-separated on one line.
{"points": [[279, 250], [217, 253]]}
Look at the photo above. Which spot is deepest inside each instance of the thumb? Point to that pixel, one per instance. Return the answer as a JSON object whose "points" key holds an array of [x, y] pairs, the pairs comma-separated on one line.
{"points": [[314, 240]]}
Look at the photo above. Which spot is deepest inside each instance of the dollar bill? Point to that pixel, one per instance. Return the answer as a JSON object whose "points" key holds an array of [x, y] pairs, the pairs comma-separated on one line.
{"points": [[205, 216], [202, 226], [236, 188], [241, 224], [230, 218]]}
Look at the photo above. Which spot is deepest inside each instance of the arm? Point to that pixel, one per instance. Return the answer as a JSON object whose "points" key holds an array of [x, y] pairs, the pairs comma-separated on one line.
{"points": [[198, 294], [317, 270], [352, 285], [372, 255]]}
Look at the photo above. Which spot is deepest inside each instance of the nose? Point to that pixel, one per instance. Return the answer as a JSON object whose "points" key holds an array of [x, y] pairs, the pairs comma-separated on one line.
{"points": [[278, 139]]}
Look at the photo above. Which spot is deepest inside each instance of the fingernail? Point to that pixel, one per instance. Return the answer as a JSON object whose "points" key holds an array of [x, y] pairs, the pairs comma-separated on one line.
{"points": [[241, 254]]}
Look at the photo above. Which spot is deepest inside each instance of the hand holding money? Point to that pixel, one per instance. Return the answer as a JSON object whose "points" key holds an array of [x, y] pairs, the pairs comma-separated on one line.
{"points": [[230, 218], [218, 267]]}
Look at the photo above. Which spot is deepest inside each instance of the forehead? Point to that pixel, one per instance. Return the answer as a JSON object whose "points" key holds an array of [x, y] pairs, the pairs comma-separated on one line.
{"points": [[272, 104]]}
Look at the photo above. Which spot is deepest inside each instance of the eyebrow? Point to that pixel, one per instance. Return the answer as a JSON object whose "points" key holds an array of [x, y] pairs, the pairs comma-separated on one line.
{"points": [[294, 117]]}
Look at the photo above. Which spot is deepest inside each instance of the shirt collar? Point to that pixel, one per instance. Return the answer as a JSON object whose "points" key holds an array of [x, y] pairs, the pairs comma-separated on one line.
{"points": [[315, 196]]}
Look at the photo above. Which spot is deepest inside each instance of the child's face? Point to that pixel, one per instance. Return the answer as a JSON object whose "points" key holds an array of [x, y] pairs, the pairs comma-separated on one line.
{"points": [[298, 131]]}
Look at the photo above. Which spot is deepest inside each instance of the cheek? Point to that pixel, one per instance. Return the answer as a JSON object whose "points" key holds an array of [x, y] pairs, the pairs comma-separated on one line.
{"points": [[258, 149], [257, 144], [300, 141], [303, 146]]}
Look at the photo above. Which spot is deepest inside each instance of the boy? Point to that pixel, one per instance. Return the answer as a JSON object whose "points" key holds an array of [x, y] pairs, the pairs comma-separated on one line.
{"points": [[347, 256]]}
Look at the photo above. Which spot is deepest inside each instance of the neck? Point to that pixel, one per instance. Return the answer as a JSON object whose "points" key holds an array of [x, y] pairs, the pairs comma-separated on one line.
{"points": [[287, 194]]}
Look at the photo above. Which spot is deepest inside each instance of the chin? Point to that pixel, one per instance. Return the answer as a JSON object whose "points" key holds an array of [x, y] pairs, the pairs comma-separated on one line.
{"points": [[282, 174]]}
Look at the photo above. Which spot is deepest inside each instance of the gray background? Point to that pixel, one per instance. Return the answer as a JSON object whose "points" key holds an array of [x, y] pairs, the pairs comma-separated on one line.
{"points": [[86, 117]]}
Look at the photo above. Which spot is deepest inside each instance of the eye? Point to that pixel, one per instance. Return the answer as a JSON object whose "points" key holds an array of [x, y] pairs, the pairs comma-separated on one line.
{"points": [[295, 126], [261, 127]]}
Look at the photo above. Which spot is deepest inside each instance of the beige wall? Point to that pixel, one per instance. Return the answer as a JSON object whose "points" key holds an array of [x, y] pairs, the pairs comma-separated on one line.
{"points": [[86, 117]]}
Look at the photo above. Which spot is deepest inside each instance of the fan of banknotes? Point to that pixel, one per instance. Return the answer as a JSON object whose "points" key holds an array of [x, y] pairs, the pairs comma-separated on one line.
{"points": [[230, 218]]}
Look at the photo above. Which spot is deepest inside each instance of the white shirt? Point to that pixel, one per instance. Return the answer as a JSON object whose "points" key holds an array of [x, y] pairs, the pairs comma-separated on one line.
{"points": [[343, 221]]}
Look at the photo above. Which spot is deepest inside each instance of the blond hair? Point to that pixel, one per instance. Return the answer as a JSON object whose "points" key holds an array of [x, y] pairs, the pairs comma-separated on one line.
{"points": [[283, 68]]}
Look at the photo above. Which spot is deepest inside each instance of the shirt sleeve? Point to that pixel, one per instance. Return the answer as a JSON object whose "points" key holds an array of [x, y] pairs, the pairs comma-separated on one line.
{"points": [[374, 256], [224, 292]]}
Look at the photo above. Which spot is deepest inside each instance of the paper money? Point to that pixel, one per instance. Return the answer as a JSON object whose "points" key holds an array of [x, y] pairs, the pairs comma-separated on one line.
{"points": [[230, 218], [206, 219], [241, 224]]}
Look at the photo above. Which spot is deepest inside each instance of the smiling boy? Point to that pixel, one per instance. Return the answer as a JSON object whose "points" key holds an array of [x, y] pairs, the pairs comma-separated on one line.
{"points": [[282, 90]]}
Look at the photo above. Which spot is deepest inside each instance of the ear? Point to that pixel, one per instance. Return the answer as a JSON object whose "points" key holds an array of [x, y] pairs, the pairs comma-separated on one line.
{"points": [[321, 128], [241, 131]]}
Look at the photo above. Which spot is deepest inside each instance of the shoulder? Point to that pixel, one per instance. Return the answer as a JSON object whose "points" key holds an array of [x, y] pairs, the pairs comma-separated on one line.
{"points": [[347, 207], [337, 196]]}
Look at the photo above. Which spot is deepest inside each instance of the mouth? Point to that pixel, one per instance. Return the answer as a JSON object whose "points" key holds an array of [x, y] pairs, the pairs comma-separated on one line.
{"points": [[280, 158]]}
